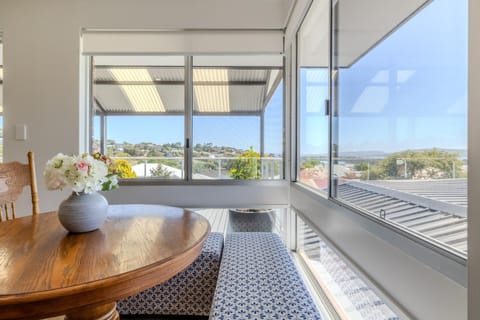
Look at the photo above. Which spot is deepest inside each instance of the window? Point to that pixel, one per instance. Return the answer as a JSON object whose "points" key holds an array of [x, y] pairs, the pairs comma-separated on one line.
{"points": [[313, 84], [233, 125], [400, 121], [237, 117], [139, 114]]}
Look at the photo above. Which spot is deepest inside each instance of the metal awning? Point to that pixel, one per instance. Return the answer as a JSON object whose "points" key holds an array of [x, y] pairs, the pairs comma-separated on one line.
{"points": [[160, 89]]}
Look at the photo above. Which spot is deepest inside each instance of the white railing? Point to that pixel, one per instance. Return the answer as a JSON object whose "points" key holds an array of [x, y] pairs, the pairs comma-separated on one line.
{"points": [[346, 167], [271, 168]]}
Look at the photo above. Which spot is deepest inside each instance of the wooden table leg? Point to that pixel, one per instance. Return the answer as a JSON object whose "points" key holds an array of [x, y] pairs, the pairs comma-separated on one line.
{"points": [[103, 312]]}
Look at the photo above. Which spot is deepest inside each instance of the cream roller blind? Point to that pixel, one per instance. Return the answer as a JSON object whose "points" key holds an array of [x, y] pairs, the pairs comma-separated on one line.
{"points": [[182, 42]]}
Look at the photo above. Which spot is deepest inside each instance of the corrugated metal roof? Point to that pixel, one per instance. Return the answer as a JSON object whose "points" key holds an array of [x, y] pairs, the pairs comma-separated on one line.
{"points": [[444, 226], [452, 191], [167, 74], [229, 90], [113, 98]]}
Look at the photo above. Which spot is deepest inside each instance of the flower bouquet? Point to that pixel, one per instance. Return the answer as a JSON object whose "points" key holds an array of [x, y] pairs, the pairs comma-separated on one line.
{"points": [[85, 210], [83, 173]]}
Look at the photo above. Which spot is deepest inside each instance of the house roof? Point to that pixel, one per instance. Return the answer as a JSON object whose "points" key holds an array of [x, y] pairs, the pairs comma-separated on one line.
{"points": [[422, 206]]}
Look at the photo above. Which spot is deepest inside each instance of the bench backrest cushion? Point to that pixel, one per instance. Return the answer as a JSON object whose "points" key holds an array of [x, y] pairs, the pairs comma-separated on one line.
{"points": [[258, 280]]}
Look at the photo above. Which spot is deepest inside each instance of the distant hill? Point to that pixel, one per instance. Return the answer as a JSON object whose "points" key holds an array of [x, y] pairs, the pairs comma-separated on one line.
{"points": [[376, 154]]}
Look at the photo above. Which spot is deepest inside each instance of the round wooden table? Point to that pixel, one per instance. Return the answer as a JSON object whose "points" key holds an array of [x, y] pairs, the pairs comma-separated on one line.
{"points": [[46, 271]]}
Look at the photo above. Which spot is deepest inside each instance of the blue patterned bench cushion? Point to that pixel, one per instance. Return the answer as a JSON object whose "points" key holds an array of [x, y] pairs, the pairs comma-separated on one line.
{"points": [[188, 293], [258, 280]]}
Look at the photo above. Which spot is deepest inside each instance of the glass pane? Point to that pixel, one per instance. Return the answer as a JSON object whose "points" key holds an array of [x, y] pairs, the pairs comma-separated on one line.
{"points": [[353, 298], [140, 103], [272, 162], [233, 96], [313, 84], [401, 123]]}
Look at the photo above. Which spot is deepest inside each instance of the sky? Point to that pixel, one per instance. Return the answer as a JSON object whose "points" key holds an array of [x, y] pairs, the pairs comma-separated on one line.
{"points": [[240, 131]]}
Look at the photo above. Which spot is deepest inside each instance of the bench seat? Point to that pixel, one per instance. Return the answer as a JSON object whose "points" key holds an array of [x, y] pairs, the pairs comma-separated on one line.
{"points": [[188, 293], [258, 280]]}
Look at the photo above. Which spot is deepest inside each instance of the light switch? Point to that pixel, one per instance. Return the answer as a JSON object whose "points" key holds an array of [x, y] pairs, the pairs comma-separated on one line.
{"points": [[21, 132]]}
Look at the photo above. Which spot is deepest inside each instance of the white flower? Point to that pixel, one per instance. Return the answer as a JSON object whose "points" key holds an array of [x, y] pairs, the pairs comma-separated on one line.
{"points": [[83, 173]]}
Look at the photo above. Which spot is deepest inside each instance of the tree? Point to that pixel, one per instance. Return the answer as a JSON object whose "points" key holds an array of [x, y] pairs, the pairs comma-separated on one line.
{"points": [[125, 169], [160, 171], [374, 173], [120, 154], [171, 163], [362, 166], [247, 166], [426, 164], [310, 163]]}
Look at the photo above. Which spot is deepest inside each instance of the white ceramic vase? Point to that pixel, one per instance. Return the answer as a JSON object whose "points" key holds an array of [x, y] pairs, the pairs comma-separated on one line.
{"points": [[83, 212]]}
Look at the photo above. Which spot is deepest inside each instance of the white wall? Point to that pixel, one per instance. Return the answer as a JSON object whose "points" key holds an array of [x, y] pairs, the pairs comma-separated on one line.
{"points": [[473, 163], [42, 77]]}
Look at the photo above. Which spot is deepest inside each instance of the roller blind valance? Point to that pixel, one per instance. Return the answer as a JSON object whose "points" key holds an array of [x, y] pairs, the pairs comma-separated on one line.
{"points": [[182, 42]]}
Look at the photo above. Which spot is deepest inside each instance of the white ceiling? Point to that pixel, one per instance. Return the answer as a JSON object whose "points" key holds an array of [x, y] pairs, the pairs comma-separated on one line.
{"points": [[360, 26]]}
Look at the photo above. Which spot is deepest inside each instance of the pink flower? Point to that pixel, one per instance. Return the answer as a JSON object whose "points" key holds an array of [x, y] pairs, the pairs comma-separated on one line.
{"points": [[82, 166]]}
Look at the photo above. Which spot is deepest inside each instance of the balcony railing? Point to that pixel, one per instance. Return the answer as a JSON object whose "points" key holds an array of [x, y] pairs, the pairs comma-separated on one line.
{"points": [[266, 168], [364, 168]]}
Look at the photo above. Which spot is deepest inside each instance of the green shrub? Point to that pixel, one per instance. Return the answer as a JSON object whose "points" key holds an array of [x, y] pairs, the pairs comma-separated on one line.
{"points": [[247, 166]]}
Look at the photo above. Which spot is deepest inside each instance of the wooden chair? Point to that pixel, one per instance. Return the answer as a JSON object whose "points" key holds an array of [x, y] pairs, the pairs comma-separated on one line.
{"points": [[14, 176]]}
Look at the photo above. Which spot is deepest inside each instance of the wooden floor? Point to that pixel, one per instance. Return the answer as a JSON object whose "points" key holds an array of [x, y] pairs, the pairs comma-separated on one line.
{"points": [[218, 218]]}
